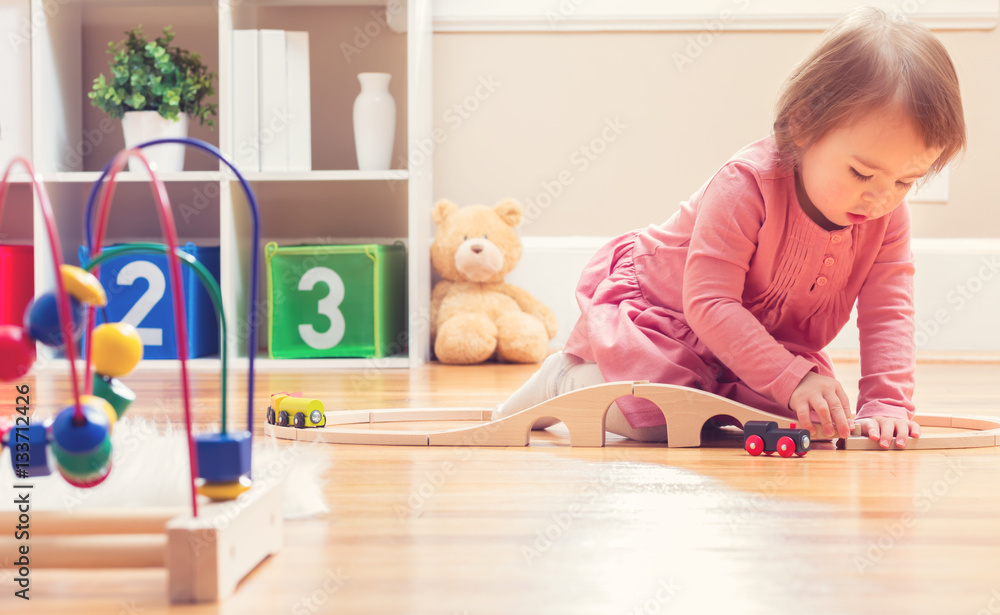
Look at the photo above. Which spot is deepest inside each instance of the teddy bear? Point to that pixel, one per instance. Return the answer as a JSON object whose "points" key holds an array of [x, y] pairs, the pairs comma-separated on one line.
{"points": [[475, 316]]}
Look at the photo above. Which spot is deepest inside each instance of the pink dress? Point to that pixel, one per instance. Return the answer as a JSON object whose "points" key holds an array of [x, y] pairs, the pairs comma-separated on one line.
{"points": [[739, 292]]}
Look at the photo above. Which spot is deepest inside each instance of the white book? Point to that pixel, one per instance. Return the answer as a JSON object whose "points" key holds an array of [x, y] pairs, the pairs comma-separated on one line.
{"points": [[15, 75], [246, 110], [273, 88], [299, 107]]}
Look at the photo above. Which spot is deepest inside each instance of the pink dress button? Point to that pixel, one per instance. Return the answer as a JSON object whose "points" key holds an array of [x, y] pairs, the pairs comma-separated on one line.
{"points": [[837, 239], [821, 281], [828, 261]]}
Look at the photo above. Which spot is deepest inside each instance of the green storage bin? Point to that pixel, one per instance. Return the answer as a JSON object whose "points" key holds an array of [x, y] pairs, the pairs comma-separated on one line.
{"points": [[335, 301]]}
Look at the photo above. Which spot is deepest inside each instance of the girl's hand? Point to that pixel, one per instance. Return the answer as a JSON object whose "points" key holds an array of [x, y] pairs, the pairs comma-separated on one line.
{"points": [[881, 429], [824, 396]]}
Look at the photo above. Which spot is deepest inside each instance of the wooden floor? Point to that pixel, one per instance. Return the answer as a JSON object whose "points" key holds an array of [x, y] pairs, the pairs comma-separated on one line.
{"points": [[623, 529]]}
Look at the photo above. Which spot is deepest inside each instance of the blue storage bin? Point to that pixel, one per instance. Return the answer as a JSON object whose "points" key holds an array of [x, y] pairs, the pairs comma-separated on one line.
{"points": [[138, 288]]}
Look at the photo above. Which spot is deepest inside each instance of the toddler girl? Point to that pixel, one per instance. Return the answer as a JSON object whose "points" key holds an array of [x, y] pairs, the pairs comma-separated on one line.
{"points": [[740, 290]]}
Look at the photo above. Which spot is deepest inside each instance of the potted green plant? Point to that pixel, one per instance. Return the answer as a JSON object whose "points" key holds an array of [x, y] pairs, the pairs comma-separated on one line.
{"points": [[155, 88]]}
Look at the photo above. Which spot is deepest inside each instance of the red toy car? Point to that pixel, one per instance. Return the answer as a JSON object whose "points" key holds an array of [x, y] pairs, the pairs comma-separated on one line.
{"points": [[766, 437]]}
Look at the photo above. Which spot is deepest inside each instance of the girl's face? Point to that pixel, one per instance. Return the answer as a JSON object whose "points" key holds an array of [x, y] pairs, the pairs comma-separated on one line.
{"points": [[862, 171]]}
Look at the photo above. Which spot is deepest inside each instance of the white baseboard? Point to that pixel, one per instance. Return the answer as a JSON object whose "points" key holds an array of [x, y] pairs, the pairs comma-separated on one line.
{"points": [[957, 291]]}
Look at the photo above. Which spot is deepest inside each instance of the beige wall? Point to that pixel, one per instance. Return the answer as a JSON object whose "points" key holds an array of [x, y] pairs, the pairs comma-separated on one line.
{"points": [[528, 103]]}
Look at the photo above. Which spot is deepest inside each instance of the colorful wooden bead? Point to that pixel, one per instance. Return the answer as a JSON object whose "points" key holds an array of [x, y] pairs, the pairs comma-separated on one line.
{"points": [[37, 454], [114, 392], [83, 286], [224, 491], [102, 404], [82, 447], [17, 352], [83, 465], [223, 458], [80, 436], [41, 319], [86, 481], [117, 349]]}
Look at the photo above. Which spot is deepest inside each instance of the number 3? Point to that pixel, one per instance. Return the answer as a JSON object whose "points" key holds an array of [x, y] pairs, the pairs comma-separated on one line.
{"points": [[327, 307]]}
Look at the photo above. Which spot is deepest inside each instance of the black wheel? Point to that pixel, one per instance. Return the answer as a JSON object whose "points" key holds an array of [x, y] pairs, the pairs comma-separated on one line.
{"points": [[270, 416], [283, 418], [300, 420]]}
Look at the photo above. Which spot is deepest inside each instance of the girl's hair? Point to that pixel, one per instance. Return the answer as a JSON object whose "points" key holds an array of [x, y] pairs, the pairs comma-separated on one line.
{"points": [[867, 60]]}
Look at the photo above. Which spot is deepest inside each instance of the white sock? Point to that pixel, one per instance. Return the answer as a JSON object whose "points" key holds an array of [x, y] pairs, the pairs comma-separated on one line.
{"points": [[543, 385], [580, 376]]}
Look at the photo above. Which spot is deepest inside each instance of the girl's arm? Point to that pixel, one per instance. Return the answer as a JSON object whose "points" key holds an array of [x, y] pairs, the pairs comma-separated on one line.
{"points": [[886, 326], [723, 242]]}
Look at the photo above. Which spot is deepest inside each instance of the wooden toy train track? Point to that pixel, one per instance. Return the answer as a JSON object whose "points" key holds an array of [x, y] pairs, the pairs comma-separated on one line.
{"points": [[584, 412]]}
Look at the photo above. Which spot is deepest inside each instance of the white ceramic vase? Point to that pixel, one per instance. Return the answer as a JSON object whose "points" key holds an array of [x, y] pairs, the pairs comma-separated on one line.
{"points": [[374, 122], [142, 126]]}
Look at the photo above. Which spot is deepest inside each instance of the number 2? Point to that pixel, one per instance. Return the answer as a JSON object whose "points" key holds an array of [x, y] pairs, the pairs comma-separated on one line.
{"points": [[157, 285], [327, 307]]}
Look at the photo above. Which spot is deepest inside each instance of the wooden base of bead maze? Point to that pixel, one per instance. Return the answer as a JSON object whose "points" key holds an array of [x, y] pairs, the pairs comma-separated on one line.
{"points": [[205, 557], [584, 412]]}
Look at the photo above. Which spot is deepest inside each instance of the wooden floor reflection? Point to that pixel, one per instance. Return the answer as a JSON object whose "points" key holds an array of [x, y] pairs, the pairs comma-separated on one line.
{"points": [[623, 529]]}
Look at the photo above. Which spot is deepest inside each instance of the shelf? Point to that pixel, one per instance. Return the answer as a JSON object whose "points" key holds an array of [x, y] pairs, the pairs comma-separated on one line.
{"points": [[19, 178], [57, 367], [132, 3], [90, 177], [290, 3], [71, 141], [346, 175], [276, 365]]}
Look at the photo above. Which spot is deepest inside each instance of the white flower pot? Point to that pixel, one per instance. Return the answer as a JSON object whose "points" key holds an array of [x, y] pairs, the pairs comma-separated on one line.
{"points": [[374, 122], [142, 126]]}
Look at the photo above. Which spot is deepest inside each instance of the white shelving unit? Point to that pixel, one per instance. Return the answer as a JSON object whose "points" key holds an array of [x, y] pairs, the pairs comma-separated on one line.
{"points": [[335, 203]]}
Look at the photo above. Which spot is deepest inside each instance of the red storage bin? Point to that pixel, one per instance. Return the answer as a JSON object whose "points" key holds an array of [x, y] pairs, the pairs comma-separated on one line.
{"points": [[17, 277]]}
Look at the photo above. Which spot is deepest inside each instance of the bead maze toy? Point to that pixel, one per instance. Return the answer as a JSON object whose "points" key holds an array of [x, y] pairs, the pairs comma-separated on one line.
{"points": [[584, 412], [205, 559]]}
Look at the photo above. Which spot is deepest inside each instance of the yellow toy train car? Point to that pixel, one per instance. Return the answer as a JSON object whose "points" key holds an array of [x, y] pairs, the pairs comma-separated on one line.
{"points": [[301, 412]]}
